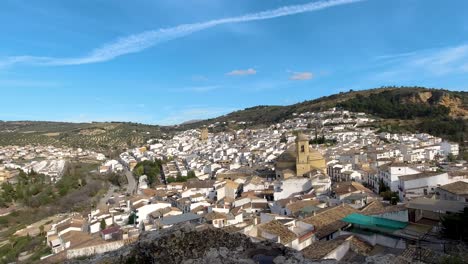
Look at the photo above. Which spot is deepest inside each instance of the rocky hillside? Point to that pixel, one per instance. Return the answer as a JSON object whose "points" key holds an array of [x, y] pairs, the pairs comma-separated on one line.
{"points": [[456, 104], [402, 109]]}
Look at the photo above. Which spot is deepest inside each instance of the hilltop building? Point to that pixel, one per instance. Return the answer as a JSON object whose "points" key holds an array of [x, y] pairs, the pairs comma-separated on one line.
{"points": [[299, 159]]}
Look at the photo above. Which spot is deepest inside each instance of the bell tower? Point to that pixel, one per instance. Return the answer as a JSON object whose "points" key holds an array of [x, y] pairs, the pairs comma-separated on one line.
{"points": [[204, 134], [302, 151]]}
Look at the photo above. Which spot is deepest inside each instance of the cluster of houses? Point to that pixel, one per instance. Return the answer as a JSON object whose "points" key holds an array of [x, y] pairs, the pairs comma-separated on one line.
{"points": [[47, 160], [277, 184]]}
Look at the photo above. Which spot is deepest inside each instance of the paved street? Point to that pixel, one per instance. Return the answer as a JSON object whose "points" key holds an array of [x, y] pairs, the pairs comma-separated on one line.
{"points": [[132, 184]]}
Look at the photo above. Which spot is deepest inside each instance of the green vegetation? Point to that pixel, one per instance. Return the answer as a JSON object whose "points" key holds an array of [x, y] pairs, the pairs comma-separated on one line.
{"points": [[103, 224], [35, 190], [180, 178], [35, 245], [110, 138], [387, 194], [421, 109], [117, 179], [77, 191], [390, 104], [132, 219], [149, 168], [32, 190], [454, 226], [322, 140]]}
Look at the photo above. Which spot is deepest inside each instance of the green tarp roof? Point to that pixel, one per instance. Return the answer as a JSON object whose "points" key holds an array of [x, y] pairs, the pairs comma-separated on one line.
{"points": [[371, 221]]}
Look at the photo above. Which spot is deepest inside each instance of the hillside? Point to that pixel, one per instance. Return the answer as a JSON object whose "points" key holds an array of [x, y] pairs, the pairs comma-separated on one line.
{"points": [[96, 136], [402, 109]]}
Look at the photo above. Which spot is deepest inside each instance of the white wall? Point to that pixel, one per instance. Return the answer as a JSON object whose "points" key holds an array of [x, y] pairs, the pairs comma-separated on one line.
{"points": [[145, 210], [339, 252], [290, 186]]}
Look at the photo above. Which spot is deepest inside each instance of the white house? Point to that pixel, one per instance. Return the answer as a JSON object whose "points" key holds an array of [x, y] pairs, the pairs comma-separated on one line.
{"points": [[416, 185], [142, 212], [284, 189], [390, 173], [449, 148]]}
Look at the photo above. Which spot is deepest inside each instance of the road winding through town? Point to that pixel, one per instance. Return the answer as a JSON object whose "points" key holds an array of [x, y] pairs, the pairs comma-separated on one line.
{"points": [[131, 187]]}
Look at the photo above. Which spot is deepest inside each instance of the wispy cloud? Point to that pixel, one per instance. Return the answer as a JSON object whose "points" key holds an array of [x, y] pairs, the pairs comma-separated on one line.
{"points": [[433, 63], [249, 71], [141, 41], [300, 76]]}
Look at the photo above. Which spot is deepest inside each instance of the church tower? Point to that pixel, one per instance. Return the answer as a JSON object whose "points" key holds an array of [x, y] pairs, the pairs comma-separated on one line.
{"points": [[302, 151], [204, 134]]}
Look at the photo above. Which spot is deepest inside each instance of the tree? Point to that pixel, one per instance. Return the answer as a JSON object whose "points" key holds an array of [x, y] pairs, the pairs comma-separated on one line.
{"points": [[132, 219], [103, 224], [191, 174], [450, 157], [454, 225], [139, 170], [383, 186]]}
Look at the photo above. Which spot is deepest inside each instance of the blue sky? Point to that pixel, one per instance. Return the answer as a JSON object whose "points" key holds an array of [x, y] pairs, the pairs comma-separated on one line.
{"points": [[168, 61]]}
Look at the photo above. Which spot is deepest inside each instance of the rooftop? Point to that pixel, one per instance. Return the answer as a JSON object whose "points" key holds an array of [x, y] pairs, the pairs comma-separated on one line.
{"points": [[177, 219], [329, 220], [436, 205], [277, 228], [375, 222], [419, 175], [459, 188]]}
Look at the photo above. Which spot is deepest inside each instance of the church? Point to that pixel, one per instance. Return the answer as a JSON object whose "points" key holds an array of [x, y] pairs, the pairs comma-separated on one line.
{"points": [[299, 159]]}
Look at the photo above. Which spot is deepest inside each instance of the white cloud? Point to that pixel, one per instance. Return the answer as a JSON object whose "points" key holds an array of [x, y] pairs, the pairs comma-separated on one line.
{"points": [[249, 71], [300, 76], [141, 41]]}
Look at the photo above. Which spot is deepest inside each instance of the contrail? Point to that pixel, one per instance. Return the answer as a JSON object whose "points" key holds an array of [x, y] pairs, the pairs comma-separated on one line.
{"points": [[138, 42]]}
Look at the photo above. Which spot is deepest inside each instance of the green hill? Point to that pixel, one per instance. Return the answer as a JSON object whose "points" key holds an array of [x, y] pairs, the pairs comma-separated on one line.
{"points": [[402, 109], [96, 136]]}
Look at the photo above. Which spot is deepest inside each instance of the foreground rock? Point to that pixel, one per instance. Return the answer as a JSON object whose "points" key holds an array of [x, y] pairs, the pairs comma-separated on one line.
{"points": [[190, 246]]}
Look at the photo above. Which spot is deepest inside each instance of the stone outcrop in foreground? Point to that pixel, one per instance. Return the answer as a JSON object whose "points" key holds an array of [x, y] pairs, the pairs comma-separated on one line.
{"points": [[189, 246]]}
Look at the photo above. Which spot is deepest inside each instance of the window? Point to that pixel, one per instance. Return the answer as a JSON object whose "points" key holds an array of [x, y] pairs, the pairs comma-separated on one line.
{"points": [[302, 148]]}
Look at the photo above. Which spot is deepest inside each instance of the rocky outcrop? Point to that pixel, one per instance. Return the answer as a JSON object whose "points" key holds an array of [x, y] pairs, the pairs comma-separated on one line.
{"points": [[190, 246], [453, 103]]}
